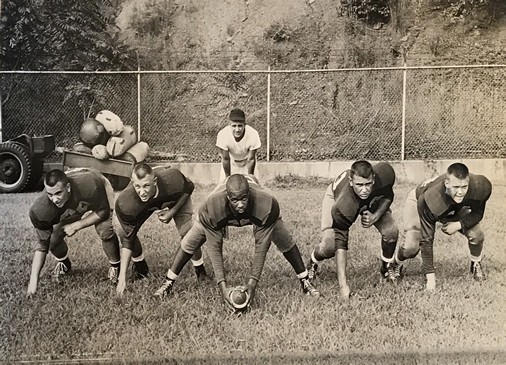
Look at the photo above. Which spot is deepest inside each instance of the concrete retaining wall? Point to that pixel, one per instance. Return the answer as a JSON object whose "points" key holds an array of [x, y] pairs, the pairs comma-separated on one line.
{"points": [[408, 171]]}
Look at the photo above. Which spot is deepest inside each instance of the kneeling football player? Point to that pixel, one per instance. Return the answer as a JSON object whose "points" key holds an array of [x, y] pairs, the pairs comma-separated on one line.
{"points": [[363, 190], [239, 201], [161, 189], [59, 211], [456, 199]]}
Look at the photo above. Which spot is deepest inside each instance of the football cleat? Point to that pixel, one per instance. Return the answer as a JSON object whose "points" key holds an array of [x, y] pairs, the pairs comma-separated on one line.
{"points": [[61, 269], [140, 270], [311, 269], [390, 271], [165, 289], [308, 288], [477, 271], [398, 270], [113, 274]]}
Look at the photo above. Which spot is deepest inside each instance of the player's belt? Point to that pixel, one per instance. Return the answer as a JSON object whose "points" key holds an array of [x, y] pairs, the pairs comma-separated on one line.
{"points": [[240, 161]]}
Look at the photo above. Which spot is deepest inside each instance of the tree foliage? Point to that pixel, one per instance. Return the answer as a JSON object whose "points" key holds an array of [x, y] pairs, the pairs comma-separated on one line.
{"points": [[62, 35], [370, 11]]}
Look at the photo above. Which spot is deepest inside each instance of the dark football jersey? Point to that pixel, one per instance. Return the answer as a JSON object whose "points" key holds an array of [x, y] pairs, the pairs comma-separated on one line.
{"points": [[347, 205], [435, 205], [216, 213], [132, 212], [87, 193]]}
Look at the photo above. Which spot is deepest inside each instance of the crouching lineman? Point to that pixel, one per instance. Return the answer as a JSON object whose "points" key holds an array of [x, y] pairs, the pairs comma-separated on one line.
{"points": [[365, 190], [59, 211], [159, 189], [456, 199], [239, 201]]}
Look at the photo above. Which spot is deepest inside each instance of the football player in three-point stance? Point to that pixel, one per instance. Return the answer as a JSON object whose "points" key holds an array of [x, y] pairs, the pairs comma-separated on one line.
{"points": [[457, 199], [239, 201], [364, 190], [159, 189], [59, 211]]}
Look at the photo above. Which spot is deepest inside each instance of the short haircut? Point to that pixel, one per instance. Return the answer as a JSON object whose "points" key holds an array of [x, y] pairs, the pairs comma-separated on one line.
{"points": [[237, 183], [361, 168], [141, 170], [459, 170], [55, 176]]}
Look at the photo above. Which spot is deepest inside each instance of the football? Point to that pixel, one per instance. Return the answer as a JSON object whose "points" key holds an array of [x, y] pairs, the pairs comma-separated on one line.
{"points": [[92, 133], [239, 297]]}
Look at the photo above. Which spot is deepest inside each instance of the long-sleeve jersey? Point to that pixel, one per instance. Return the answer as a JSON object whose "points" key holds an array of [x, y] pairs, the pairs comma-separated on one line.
{"points": [[347, 205], [87, 193], [132, 212], [435, 205], [215, 214]]}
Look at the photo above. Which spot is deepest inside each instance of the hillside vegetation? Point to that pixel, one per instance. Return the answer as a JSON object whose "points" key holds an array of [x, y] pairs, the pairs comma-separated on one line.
{"points": [[307, 34]]}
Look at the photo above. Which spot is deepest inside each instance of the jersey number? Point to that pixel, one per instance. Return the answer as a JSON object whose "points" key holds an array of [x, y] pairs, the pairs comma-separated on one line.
{"points": [[339, 179]]}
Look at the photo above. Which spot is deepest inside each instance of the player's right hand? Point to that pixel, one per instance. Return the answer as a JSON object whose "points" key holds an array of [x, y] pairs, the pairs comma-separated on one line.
{"points": [[431, 282], [32, 288]]}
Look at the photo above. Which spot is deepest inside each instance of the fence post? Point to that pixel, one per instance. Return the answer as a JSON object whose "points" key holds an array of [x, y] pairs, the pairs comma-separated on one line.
{"points": [[1, 140], [403, 136], [268, 113]]}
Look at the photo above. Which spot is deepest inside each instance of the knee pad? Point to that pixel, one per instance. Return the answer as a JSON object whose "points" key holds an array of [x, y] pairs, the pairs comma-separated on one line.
{"points": [[391, 235], [411, 245], [107, 234], [475, 237], [327, 248]]}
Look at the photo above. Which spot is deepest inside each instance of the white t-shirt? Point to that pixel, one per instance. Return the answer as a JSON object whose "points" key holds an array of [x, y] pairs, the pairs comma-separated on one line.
{"points": [[238, 150]]}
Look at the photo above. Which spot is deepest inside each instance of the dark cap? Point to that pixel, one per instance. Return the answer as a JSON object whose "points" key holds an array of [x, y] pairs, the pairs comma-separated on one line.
{"points": [[238, 115]]}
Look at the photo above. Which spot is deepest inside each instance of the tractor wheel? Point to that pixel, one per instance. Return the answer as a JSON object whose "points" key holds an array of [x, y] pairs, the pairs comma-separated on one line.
{"points": [[15, 167]]}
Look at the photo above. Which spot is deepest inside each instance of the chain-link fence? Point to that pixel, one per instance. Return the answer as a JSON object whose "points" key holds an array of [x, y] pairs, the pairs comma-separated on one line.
{"points": [[312, 115], [58, 104]]}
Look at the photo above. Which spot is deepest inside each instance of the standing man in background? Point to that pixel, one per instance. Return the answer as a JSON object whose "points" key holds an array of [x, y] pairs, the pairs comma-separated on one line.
{"points": [[238, 143]]}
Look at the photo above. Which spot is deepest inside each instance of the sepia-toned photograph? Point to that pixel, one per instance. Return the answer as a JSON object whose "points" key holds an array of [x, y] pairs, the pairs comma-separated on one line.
{"points": [[253, 182]]}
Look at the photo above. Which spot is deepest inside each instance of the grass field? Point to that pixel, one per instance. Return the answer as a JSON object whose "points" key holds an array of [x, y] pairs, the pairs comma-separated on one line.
{"points": [[81, 318]]}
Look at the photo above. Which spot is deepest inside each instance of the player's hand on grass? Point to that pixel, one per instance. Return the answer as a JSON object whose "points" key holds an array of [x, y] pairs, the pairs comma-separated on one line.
{"points": [[451, 227], [165, 215], [32, 288], [368, 219], [70, 229], [431, 282], [120, 288], [345, 291]]}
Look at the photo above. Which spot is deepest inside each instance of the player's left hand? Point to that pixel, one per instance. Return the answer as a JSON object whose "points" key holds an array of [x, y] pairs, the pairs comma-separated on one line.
{"points": [[165, 215], [251, 286], [70, 229], [120, 288], [451, 227], [368, 219]]}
